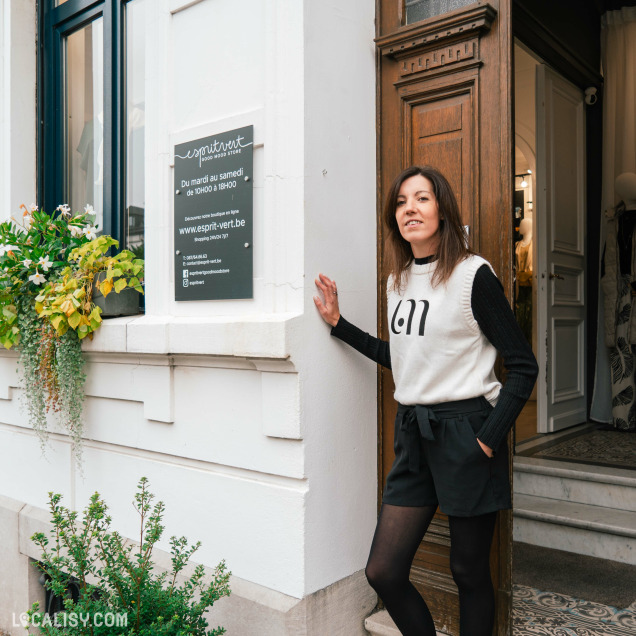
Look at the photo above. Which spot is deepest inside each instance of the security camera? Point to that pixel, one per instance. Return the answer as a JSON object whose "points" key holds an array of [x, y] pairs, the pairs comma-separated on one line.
{"points": [[590, 96]]}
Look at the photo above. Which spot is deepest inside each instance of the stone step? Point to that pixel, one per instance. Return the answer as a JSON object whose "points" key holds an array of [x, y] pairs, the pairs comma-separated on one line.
{"points": [[579, 483], [381, 624], [581, 528]]}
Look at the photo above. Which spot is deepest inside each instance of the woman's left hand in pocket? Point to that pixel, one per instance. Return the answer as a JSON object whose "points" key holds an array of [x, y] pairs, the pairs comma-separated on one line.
{"points": [[485, 448]]}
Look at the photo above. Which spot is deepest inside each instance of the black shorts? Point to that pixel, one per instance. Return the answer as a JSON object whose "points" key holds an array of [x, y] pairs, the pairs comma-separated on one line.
{"points": [[438, 460]]}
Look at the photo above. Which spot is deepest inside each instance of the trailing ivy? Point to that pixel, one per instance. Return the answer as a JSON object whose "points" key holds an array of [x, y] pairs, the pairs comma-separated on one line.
{"points": [[69, 363], [34, 394], [49, 265]]}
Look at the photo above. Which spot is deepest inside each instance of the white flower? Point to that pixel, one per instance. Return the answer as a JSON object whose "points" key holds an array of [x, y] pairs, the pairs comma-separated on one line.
{"points": [[45, 263], [64, 209], [27, 262], [37, 278], [34, 207], [88, 209], [27, 220], [90, 232], [75, 231], [6, 248]]}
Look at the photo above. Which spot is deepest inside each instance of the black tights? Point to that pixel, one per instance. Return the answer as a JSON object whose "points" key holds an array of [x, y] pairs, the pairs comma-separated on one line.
{"points": [[397, 537]]}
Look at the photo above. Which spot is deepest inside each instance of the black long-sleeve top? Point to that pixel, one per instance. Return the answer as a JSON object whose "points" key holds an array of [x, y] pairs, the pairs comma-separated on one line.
{"points": [[497, 322]]}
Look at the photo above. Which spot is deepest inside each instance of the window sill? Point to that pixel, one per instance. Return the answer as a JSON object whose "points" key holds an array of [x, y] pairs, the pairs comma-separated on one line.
{"points": [[264, 336]]}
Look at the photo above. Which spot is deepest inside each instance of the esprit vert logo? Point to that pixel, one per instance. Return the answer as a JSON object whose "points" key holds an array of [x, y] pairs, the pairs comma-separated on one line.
{"points": [[208, 151], [399, 319]]}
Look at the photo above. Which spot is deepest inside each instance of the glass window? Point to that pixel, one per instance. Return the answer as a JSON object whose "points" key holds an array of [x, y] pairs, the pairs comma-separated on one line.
{"points": [[92, 124], [84, 118], [417, 10], [135, 120]]}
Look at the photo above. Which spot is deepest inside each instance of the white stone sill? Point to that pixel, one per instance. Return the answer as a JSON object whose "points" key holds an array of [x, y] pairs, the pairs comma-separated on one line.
{"points": [[262, 336]]}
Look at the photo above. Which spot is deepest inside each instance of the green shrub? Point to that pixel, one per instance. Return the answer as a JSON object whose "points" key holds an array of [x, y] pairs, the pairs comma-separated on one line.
{"points": [[116, 577]]}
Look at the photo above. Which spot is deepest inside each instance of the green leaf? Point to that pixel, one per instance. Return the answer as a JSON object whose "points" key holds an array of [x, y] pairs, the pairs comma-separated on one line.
{"points": [[105, 287], [120, 284], [96, 314], [74, 320]]}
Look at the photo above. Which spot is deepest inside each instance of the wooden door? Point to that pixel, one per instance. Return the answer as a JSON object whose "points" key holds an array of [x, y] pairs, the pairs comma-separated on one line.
{"points": [[445, 98], [561, 259]]}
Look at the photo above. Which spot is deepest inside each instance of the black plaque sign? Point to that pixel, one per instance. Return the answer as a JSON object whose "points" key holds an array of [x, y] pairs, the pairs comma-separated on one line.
{"points": [[213, 217]]}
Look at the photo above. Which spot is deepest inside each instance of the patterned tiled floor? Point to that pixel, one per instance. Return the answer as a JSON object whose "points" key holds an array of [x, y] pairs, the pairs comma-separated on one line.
{"points": [[607, 448], [548, 614]]}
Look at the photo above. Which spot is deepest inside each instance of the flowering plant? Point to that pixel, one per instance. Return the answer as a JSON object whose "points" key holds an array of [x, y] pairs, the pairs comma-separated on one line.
{"points": [[67, 301], [48, 265], [33, 250]]}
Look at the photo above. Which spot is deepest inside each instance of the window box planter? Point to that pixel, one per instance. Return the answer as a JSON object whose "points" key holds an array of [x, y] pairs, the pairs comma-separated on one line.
{"points": [[124, 303]]}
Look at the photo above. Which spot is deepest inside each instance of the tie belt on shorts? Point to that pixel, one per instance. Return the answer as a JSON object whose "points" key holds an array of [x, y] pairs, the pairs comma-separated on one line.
{"points": [[417, 421]]}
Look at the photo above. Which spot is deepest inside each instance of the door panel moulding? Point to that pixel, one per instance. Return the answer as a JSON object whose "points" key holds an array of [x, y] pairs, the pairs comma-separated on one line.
{"points": [[568, 329], [569, 291], [430, 47], [450, 26]]}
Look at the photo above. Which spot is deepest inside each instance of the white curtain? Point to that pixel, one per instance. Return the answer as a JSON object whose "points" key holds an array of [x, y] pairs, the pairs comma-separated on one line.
{"points": [[618, 52]]}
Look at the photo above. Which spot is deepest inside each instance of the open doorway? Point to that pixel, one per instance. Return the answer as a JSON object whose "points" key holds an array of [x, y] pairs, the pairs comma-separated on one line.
{"points": [[549, 251], [524, 248], [574, 507]]}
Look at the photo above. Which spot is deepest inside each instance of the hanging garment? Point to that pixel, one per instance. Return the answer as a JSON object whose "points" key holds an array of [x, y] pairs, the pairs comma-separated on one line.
{"points": [[617, 276], [622, 358], [523, 305], [618, 260], [523, 255]]}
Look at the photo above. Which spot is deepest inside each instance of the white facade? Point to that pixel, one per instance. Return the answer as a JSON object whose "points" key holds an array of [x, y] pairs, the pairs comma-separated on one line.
{"points": [[255, 427]]}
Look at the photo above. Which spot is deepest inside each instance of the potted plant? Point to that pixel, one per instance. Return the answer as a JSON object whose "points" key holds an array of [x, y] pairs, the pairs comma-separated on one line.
{"points": [[94, 573], [48, 268]]}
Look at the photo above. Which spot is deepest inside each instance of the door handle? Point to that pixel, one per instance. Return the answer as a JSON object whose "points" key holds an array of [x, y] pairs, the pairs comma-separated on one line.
{"points": [[558, 276]]}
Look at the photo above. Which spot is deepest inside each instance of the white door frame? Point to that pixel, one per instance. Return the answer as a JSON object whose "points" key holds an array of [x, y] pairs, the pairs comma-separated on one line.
{"points": [[561, 261]]}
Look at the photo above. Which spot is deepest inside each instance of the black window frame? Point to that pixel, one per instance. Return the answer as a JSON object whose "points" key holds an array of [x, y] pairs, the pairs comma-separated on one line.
{"points": [[54, 24]]}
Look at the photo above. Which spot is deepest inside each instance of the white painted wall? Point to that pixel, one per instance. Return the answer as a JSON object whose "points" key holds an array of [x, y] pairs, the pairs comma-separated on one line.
{"points": [[339, 404], [17, 105], [217, 65], [256, 428]]}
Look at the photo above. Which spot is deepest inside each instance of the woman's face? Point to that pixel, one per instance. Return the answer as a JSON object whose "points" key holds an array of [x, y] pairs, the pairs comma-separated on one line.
{"points": [[417, 215]]}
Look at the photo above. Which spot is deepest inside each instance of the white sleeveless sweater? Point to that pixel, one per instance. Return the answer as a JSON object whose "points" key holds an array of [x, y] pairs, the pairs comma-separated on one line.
{"points": [[438, 352]]}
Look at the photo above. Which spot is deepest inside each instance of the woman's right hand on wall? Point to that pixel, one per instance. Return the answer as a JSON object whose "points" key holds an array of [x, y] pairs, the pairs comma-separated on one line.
{"points": [[329, 309]]}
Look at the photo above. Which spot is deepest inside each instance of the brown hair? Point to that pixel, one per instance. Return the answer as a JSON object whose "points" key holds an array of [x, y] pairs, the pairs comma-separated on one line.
{"points": [[452, 247]]}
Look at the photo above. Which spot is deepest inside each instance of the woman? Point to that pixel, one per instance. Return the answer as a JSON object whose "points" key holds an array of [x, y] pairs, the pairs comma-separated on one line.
{"points": [[448, 317]]}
